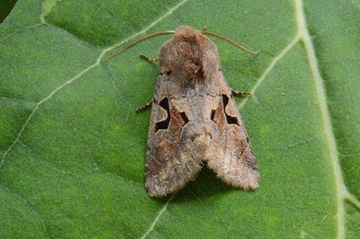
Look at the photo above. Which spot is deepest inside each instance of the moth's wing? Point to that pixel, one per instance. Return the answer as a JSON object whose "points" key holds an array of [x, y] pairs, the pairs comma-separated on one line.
{"points": [[237, 166], [169, 160]]}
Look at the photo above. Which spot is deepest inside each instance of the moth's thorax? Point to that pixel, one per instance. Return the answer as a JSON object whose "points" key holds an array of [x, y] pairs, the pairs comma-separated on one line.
{"points": [[189, 57]]}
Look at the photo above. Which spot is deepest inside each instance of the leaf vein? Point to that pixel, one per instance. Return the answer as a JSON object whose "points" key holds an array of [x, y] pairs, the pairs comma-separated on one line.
{"points": [[341, 190]]}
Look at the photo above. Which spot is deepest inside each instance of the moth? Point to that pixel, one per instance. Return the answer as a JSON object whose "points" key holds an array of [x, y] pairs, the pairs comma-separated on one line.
{"points": [[194, 118]]}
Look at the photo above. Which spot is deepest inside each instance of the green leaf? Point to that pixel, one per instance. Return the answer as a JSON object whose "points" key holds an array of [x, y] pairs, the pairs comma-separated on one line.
{"points": [[72, 148]]}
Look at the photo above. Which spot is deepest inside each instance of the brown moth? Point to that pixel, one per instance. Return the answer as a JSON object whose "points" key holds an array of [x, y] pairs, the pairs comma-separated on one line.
{"points": [[194, 119]]}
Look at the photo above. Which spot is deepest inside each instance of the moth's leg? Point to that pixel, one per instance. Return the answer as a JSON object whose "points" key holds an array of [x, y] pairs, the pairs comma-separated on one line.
{"points": [[238, 93], [142, 108], [148, 58], [148, 104]]}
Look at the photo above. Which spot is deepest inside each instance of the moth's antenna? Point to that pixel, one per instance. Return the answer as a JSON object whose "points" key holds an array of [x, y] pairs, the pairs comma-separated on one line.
{"points": [[140, 40], [206, 32]]}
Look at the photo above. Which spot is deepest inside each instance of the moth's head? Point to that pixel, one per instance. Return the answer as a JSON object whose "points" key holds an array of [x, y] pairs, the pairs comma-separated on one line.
{"points": [[184, 54]]}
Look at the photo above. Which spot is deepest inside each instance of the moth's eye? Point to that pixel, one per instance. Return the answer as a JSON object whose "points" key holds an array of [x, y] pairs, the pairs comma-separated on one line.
{"points": [[219, 69], [230, 119], [162, 73]]}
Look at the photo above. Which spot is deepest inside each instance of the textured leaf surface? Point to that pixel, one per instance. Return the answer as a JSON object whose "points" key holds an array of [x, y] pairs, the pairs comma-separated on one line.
{"points": [[72, 147]]}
